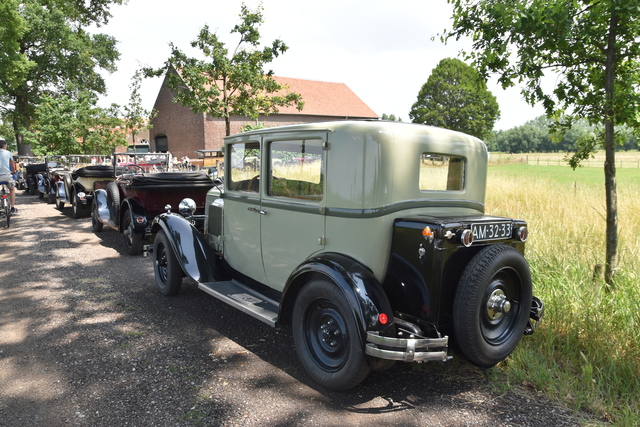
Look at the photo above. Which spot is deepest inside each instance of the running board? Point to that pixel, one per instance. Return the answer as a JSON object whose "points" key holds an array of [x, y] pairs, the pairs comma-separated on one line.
{"points": [[243, 298]]}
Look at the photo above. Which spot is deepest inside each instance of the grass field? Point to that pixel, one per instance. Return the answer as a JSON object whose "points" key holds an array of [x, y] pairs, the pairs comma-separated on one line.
{"points": [[624, 159], [587, 351]]}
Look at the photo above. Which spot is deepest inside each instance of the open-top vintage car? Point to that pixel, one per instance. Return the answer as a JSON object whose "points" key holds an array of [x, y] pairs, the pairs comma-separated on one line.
{"points": [[368, 238], [88, 172], [130, 202], [54, 170]]}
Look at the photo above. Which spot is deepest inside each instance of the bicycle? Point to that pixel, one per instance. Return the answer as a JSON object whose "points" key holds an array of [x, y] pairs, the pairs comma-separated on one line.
{"points": [[5, 211]]}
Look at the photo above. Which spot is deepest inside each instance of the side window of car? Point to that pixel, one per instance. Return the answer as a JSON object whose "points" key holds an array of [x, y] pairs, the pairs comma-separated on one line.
{"points": [[441, 173], [296, 169], [245, 167]]}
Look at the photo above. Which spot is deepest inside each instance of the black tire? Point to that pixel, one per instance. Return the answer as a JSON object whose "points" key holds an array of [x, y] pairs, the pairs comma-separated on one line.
{"points": [[113, 200], [51, 193], [326, 336], [76, 205], [484, 334], [7, 215], [133, 241], [59, 203], [96, 225], [165, 266]]}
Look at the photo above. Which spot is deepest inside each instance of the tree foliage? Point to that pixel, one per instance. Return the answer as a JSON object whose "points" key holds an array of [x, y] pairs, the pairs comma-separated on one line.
{"points": [[591, 46], [224, 84], [136, 118], [456, 97], [45, 50], [76, 125]]}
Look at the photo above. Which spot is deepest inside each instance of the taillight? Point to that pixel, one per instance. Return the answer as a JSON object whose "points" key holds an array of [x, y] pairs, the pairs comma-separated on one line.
{"points": [[521, 233]]}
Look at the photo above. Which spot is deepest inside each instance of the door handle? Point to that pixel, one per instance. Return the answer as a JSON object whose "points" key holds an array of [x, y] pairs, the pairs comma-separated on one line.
{"points": [[260, 211]]}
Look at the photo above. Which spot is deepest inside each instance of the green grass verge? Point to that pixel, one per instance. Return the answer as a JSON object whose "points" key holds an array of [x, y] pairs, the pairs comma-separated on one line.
{"points": [[586, 353]]}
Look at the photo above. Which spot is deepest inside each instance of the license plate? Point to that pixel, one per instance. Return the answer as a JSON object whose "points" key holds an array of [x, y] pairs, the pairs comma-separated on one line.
{"points": [[492, 231]]}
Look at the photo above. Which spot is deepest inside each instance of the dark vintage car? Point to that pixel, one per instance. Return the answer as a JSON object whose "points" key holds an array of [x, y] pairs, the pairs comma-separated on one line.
{"points": [[55, 169], [130, 203], [78, 187], [368, 238], [32, 171]]}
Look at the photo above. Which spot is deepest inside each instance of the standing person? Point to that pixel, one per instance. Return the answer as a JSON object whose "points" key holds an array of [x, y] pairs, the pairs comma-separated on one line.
{"points": [[7, 167]]}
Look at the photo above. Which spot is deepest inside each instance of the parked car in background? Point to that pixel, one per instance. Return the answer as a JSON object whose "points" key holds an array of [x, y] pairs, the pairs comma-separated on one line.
{"points": [[369, 238], [88, 172], [55, 168], [129, 203]]}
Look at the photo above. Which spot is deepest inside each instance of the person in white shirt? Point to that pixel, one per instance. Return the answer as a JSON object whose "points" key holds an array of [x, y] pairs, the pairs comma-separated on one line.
{"points": [[7, 168]]}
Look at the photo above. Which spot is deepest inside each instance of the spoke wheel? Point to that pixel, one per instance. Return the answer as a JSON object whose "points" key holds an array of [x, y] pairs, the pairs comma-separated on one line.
{"points": [[326, 336], [133, 241], [492, 304]]}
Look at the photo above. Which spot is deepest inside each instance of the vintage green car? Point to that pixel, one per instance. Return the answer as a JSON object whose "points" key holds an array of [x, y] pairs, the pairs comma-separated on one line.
{"points": [[369, 238]]}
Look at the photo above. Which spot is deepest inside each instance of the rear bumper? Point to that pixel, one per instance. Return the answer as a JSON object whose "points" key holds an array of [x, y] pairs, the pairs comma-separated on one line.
{"points": [[407, 349]]}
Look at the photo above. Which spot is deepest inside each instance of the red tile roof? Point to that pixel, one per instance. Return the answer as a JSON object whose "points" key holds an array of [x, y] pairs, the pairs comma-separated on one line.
{"points": [[325, 99]]}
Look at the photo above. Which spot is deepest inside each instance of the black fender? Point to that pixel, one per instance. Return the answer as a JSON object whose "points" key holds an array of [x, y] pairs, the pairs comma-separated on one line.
{"points": [[61, 191], [196, 257], [137, 212], [363, 291]]}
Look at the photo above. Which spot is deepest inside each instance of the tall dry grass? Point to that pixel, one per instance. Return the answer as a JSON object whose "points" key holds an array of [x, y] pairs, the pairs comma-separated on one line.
{"points": [[587, 352]]}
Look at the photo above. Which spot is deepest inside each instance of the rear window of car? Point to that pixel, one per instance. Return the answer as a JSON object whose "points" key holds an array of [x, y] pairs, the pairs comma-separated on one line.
{"points": [[441, 173], [296, 169]]}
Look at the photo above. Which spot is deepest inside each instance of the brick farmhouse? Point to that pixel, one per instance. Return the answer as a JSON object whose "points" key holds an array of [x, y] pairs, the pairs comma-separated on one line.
{"points": [[177, 129]]}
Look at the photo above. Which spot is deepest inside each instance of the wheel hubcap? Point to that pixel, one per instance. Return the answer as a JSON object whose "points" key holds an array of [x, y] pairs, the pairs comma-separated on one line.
{"points": [[326, 335], [501, 308], [497, 304]]}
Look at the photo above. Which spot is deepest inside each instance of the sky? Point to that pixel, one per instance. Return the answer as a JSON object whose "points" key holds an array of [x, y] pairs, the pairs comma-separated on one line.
{"points": [[381, 49]]}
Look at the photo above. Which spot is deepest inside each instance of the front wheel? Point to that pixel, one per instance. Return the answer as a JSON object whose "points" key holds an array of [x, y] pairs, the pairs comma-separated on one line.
{"points": [[491, 305], [326, 336], [96, 224], [165, 266], [76, 206]]}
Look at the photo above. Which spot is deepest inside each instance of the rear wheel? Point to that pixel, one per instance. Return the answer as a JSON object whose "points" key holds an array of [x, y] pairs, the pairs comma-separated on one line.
{"points": [[165, 265], [492, 304], [133, 241], [326, 336], [7, 213]]}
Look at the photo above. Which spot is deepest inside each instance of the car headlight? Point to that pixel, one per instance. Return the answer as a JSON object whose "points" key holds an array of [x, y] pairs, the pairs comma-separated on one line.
{"points": [[187, 207]]}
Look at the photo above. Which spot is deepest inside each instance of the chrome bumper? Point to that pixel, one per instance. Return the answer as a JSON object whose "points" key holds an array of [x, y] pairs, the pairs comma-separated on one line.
{"points": [[407, 349]]}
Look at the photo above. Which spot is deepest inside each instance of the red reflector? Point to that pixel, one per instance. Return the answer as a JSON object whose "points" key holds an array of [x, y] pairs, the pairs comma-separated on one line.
{"points": [[382, 318], [139, 219]]}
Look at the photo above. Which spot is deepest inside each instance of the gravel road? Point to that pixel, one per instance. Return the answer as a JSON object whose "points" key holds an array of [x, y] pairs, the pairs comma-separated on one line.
{"points": [[86, 340]]}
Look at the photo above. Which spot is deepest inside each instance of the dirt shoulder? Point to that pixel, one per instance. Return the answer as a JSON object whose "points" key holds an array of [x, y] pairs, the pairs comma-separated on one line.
{"points": [[85, 339]]}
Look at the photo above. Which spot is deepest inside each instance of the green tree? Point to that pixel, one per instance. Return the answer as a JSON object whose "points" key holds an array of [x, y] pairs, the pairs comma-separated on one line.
{"points": [[223, 85], [591, 46], [390, 117], [456, 97], [68, 125], [44, 49], [136, 118]]}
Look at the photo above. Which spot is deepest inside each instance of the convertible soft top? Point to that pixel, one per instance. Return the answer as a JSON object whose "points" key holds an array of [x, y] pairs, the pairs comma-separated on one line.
{"points": [[164, 180], [94, 171]]}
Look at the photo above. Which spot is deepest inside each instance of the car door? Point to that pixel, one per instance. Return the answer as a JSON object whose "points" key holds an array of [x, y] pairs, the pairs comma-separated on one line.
{"points": [[242, 246], [292, 207]]}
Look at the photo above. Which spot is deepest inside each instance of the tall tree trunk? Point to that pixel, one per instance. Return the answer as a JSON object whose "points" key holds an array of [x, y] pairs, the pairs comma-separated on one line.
{"points": [[611, 253]]}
